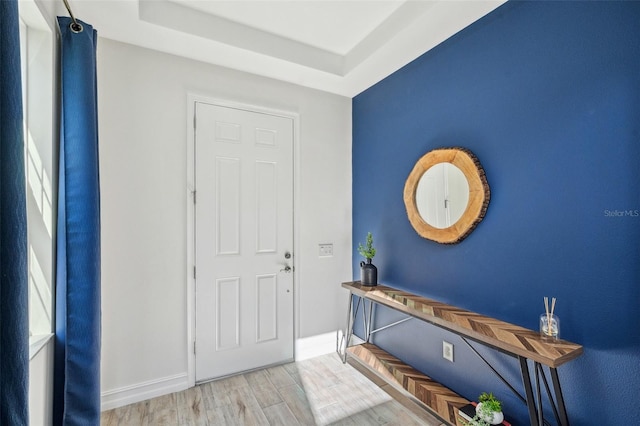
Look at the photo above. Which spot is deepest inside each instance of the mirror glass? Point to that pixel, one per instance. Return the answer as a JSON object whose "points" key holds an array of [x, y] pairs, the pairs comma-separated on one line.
{"points": [[446, 195], [442, 195]]}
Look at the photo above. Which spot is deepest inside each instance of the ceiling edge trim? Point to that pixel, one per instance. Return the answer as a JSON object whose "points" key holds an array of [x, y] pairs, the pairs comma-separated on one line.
{"points": [[190, 21]]}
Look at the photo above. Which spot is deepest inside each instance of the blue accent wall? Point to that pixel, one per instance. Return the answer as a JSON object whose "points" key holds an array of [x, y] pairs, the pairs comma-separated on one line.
{"points": [[547, 95]]}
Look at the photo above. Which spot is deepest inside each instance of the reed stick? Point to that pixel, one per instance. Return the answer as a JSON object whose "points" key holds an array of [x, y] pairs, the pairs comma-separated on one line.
{"points": [[546, 309], [546, 305], [553, 306]]}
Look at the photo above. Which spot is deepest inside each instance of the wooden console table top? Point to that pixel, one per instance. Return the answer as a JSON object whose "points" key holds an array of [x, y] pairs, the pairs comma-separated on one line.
{"points": [[502, 335]]}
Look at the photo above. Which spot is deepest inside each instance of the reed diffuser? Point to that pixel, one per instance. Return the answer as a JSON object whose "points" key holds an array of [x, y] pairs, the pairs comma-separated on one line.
{"points": [[549, 322]]}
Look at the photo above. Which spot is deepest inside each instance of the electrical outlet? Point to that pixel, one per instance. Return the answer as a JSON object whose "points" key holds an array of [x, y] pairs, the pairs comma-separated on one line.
{"points": [[447, 351]]}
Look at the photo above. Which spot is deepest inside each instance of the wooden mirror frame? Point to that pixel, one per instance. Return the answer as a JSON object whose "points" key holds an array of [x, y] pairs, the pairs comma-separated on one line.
{"points": [[479, 194]]}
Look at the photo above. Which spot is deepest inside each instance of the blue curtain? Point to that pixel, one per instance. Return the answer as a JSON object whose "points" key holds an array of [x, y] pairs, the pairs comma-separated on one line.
{"points": [[14, 313], [77, 350]]}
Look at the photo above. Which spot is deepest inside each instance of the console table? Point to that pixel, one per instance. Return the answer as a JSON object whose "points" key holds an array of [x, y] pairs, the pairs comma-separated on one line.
{"points": [[524, 344]]}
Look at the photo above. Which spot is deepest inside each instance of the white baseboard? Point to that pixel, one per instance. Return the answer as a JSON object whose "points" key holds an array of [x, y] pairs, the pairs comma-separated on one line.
{"points": [[142, 391], [355, 340], [313, 346], [305, 348]]}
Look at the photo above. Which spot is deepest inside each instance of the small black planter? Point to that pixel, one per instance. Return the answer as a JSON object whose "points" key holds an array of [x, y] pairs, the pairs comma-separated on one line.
{"points": [[368, 273]]}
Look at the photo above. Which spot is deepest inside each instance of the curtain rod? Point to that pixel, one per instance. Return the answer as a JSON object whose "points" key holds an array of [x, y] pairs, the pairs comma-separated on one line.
{"points": [[75, 26]]}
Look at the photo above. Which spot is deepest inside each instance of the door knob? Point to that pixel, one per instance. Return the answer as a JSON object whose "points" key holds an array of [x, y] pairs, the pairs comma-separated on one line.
{"points": [[287, 255], [286, 269]]}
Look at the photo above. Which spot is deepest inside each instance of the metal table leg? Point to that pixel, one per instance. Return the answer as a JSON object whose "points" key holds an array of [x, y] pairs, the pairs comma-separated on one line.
{"points": [[526, 381], [348, 333], [536, 370], [368, 320], [562, 411]]}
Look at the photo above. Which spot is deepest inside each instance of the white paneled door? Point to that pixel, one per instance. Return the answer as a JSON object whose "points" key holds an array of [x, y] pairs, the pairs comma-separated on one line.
{"points": [[244, 240]]}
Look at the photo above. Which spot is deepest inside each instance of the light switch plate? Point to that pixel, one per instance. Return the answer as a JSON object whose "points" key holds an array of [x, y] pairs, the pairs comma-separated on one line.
{"points": [[325, 250]]}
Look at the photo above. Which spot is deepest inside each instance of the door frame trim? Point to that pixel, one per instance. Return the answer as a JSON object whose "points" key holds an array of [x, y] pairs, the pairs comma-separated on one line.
{"points": [[192, 99]]}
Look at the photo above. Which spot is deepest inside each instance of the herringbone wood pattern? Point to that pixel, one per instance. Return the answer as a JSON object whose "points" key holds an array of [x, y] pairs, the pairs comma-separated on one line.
{"points": [[499, 334], [443, 401]]}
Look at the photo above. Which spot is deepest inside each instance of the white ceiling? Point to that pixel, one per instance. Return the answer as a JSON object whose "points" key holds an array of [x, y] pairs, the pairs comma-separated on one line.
{"points": [[339, 46]]}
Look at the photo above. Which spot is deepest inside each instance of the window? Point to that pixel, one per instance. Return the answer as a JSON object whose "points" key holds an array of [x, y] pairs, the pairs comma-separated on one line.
{"points": [[36, 42]]}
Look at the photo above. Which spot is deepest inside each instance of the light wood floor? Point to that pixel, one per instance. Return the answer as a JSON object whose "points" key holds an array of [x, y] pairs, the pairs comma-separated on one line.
{"points": [[318, 391]]}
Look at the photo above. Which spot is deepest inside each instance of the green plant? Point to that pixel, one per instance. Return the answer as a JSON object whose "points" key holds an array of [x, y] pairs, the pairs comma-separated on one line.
{"points": [[476, 421], [367, 251], [490, 402], [489, 405]]}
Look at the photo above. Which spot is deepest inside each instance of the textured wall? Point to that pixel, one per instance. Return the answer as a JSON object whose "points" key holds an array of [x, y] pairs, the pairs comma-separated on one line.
{"points": [[547, 95]]}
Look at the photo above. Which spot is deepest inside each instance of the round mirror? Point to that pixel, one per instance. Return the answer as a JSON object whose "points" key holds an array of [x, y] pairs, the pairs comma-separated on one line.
{"points": [[446, 195], [442, 195]]}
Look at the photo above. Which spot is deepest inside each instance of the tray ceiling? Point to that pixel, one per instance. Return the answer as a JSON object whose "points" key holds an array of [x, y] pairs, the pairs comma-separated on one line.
{"points": [[338, 46]]}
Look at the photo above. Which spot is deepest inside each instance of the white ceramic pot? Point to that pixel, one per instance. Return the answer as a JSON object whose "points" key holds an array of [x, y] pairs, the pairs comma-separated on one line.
{"points": [[496, 419]]}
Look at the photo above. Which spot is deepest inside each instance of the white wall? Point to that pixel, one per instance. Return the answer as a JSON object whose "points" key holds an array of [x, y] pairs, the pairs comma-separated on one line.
{"points": [[143, 167], [41, 385]]}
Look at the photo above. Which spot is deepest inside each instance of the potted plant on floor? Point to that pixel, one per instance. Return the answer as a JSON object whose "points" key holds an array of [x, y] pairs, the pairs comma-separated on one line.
{"points": [[368, 271]]}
